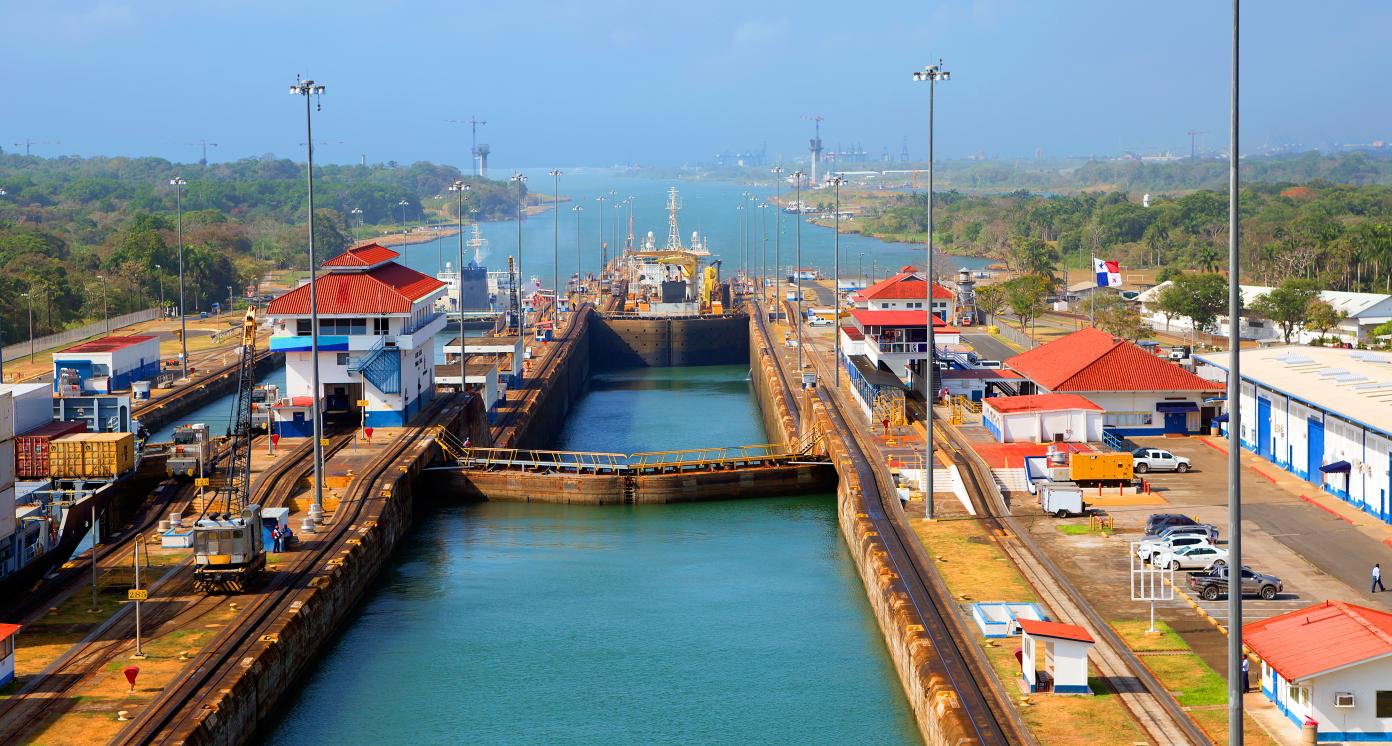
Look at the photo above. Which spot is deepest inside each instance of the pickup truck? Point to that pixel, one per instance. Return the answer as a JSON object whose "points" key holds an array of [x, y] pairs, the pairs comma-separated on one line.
{"points": [[1214, 583], [1154, 459]]}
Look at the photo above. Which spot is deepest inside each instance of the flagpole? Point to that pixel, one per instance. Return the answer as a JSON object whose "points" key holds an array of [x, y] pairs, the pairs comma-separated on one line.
{"points": [[1092, 301]]}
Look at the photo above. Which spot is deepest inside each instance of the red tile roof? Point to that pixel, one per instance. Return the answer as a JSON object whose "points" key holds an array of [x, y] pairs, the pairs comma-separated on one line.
{"points": [[1040, 403], [362, 256], [1057, 630], [390, 288], [906, 284], [7, 631], [853, 333], [1320, 638], [1092, 360], [109, 344], [866, 317]]}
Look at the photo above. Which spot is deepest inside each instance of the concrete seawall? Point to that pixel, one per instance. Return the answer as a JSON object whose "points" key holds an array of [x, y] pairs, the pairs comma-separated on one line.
{"points": [[563, 388], [511, 486], [660, 342]]}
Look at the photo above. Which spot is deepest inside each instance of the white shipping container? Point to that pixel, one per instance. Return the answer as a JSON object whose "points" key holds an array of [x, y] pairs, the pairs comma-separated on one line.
{"points": [[33, 406], [6, 416], [7, 464], [7, 512]]}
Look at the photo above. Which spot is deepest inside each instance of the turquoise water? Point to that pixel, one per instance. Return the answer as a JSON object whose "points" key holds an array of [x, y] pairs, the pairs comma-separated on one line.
{"points": [[707, 206], [715, 623], [217, 414]]}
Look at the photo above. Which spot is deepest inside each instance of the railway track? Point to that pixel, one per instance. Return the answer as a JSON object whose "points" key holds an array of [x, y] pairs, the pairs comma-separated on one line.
{"points": [[168, 719]]}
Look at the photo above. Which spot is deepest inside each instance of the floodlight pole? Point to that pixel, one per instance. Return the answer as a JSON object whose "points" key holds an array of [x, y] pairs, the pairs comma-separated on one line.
{"points": [[461, 188], [797, 269], [308, 89], [1237, 684], [932, 74]]}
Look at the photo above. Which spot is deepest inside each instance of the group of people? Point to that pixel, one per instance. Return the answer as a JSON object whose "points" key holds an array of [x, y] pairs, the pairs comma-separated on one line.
{"points": [[281, 538]]}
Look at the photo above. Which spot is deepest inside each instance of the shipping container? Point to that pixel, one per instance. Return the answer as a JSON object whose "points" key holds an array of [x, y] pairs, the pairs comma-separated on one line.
{"points": [[33, 406], [91, 455], [1101, 467], [31, 448]]}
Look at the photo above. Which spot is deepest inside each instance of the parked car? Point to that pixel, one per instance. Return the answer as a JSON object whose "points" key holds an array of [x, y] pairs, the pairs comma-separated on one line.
{"points": [[820, 321], [1211, 585], [1158, 522], [1198, 556], [1150, 548], [1195, 529], [1154, 459], [989, 364]]}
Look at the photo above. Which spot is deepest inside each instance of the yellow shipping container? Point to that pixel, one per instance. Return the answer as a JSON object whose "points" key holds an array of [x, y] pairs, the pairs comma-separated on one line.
{"points": [[1101, 467], [92, 455]]}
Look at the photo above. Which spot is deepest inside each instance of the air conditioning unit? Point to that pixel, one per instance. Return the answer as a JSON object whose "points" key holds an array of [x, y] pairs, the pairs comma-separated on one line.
{"points": [[1343, 699]]}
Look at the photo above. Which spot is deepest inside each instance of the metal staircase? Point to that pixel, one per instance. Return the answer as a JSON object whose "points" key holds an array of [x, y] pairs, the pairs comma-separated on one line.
{"points": [[380, 365]]}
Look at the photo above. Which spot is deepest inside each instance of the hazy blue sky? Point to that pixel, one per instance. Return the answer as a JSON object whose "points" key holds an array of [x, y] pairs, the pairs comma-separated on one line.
{"points": [[599, 82]]}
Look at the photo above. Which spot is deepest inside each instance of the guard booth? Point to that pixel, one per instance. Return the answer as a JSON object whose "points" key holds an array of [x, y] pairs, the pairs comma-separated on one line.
{"points": [[7, 652], [293, 417], [1053, 657]]}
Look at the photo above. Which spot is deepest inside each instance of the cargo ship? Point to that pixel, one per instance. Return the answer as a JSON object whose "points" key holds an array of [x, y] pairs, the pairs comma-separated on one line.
{"points": [[669, 281], [479, 290]]}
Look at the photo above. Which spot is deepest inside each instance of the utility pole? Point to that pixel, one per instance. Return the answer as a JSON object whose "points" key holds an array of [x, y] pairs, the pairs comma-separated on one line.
{"points": [[556, 246], [308, 89], [932, 74], [520, 180], [577, 209], [460, 188], [763, 249], [777, 233], [1237, 683], [178, 182], [600, 199], [836, 182], [797, 269], [29, 296]]}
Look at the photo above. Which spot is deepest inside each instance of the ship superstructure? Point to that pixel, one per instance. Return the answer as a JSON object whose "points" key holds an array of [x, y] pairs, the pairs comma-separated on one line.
{"points": [[668, 280]]}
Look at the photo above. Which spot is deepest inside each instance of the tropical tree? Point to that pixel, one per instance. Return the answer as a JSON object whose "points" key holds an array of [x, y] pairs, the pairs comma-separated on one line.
{"points": [[1197, 297], [1115, 315], [1026, 296], [1320, 316], [990, 299], [1287, 304]]}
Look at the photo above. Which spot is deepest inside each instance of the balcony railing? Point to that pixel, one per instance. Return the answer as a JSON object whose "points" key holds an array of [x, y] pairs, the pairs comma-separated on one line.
{"points": [[898, 348], [417, 326]]}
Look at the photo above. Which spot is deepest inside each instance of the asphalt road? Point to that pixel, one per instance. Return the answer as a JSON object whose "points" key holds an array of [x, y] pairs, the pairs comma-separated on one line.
{"points": [[989, 347]]}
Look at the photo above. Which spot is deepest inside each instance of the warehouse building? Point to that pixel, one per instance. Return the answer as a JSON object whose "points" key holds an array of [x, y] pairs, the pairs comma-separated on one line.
{"points": [[1139, 393], [1321, 413], [101, 366]]}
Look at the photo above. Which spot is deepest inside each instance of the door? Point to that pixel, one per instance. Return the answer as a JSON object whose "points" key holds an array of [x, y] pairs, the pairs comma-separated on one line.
{"points": [[1175, 422], [1166, 460], [1314, 445], [1264, 427]]}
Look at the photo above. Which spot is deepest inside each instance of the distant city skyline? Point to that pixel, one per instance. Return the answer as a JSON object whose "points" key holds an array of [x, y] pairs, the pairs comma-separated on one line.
{"points": [[623, 82]]}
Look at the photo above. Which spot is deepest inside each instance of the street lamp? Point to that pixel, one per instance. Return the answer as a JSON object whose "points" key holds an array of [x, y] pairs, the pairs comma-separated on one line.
{"points": [[178, 182], [308, 89], [743, 249], [836, 182], [763, 249], [932, 74], [357, 213], [797, 267], [459, 187], [556, 245], [600, 199], [403, 204], [777, 231], [1237, 680], [521, 180], [159, 278], [577, 209], [106, 318], [29, 297]]}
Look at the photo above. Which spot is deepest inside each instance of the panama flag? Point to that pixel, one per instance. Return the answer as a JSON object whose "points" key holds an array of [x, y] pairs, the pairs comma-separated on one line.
{"points": [[1108, 273]]}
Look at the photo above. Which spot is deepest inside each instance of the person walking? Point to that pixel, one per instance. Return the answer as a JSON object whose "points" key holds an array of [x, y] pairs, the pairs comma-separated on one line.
{"points": [[1246, 678], [1377, 578]]}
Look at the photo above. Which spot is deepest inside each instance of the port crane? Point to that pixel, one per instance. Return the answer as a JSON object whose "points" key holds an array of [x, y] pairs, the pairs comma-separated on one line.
{"points": [[228, 551]]}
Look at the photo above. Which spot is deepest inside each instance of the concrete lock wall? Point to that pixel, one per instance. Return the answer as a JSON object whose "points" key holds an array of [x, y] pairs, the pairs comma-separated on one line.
{"points": [[649, 489], [659, 343]]}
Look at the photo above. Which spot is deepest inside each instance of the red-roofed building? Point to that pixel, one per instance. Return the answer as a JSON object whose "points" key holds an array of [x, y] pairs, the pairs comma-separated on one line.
{"points": [[1054, 656], [1331, 663], [1140, 393], [1042, 417], [892, 344], [377, 326], [906, 290], [106, 365], [7, 652]]}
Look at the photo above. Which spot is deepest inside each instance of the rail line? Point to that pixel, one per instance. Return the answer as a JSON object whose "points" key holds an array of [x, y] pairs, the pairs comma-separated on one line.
{"points": [[166, 720], [788, 397]]}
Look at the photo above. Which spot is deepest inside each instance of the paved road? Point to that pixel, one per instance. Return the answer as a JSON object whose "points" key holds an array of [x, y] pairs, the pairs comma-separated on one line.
{"points": [[989, 347]]}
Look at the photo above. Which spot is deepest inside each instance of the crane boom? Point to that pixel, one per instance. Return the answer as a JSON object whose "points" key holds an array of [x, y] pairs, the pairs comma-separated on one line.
{"points": [[239, 468]]}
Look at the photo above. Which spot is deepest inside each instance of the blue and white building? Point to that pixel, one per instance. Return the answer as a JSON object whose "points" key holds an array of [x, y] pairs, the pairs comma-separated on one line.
{"points": [[1321, 413], [377, 327], [107, 364]]}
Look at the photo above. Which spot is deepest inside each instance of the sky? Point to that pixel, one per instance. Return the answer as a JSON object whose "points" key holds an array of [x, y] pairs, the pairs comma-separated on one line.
{"points": [[599, 82]]}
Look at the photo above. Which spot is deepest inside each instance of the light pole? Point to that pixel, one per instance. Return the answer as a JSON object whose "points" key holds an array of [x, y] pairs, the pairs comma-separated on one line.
{"points": [[402, 204], [577, 209], [777, 232], [459, 187], [763, 249], [357, 214], [836, 182], [932, 74], [520, 180], [308, 88], [159, 278], [861, 271], [600, 199], [29, 297], [618, 205], [106, 317], [797, 268], [178, 182], [744, 250], [1237, 682], [556, 245]]}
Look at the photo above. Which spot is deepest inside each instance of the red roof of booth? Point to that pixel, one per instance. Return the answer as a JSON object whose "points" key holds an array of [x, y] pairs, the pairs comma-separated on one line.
{"points": [[1093, 360], [389, 288], [110, 344], [1056, 630], [866, 317]]}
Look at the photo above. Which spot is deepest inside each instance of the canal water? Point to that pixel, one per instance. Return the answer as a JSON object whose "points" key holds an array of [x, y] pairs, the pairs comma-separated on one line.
{"points": [[725, 622], [217, 414]]}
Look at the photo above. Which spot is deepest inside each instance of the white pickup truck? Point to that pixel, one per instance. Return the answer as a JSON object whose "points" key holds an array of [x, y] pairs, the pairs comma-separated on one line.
{"points": [[1154, 459]]}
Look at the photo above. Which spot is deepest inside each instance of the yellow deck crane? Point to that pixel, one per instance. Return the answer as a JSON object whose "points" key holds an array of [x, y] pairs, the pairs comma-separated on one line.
{"points": [[228, 551]]}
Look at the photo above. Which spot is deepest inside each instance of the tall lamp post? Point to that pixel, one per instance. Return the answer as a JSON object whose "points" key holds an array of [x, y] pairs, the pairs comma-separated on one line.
{"points": [[932, 74], [763, 249], [460, 188], [836, 182], [308, 89], [178, 182], [601, 199], [106, 317], [577, 209], [744, 249], [556, 244], [404, 230], [777, 231], [159, 279], [29, 297], [797, 268], [357, 215], [520, 180], [1237, 682]]}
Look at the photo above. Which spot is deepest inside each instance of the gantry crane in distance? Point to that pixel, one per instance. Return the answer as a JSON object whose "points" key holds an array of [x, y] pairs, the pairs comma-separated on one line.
{"points": [[227, 548]]}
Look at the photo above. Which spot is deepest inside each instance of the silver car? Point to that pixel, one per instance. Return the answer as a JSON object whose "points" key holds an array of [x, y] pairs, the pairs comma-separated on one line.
{"points": [[1149, 548]]}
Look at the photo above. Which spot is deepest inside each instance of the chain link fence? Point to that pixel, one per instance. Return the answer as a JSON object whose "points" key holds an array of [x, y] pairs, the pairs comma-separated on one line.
{"points": [[21, 349]]}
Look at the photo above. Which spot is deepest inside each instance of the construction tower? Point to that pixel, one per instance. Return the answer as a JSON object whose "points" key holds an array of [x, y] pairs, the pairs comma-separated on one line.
{"points": [[816, 145]]}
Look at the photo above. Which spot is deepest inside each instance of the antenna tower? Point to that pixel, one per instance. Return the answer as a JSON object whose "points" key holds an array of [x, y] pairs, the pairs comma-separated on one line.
{"points": [[673, 235]]}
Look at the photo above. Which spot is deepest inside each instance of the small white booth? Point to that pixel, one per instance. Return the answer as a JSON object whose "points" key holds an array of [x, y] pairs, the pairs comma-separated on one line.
{"points": [[1042, 418], [1053, 657], [7, 652]]}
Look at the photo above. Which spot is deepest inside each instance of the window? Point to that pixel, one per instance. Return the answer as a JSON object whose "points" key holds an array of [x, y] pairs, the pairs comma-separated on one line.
{"points": [[343, 358], [1124, 419], [1384, 704], [343, 326], [302, 327], [380, 327]]}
